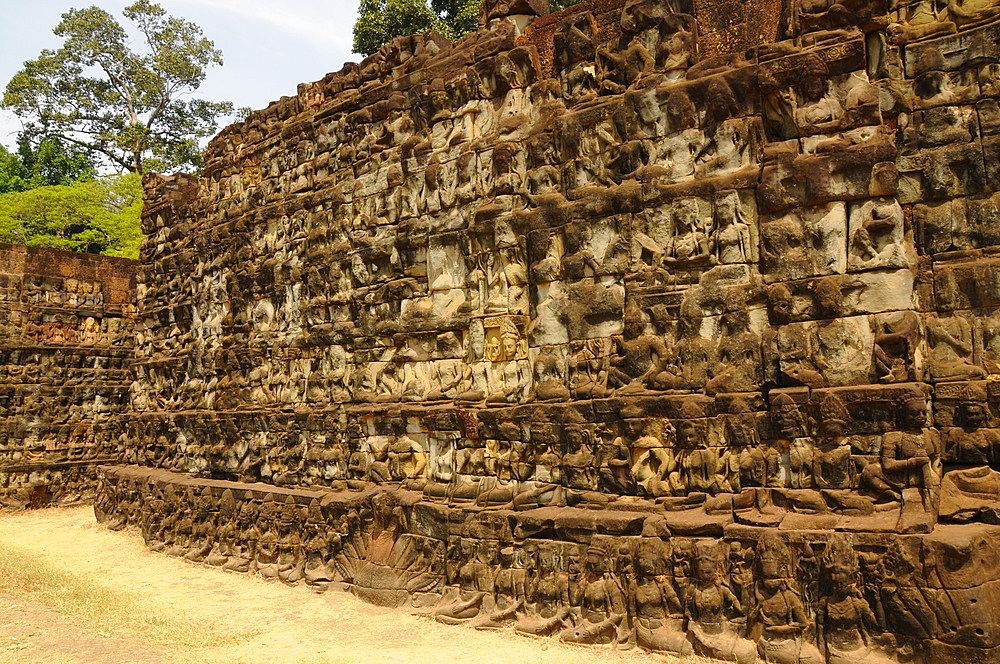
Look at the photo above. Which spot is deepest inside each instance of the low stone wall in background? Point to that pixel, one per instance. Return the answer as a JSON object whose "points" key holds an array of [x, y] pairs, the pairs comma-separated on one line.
{"points": [[66, 339]]}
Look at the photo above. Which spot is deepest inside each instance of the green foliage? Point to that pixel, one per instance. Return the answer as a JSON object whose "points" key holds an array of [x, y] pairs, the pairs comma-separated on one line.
{"points": [[51, 162], [98, 216], [126, 108], [380, 21]]}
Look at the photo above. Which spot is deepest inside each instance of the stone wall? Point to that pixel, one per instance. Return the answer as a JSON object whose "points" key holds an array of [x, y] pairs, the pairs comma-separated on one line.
{"points": [[65, 348], [667, 324]]}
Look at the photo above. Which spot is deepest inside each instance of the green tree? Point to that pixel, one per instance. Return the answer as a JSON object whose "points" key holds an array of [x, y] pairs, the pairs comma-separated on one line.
{"points": [[99, 216], [128, 109], [52, 161], [380, 21]]}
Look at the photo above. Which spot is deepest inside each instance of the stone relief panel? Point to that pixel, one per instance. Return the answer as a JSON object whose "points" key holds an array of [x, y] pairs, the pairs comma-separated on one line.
{"points": [[645, 323]]}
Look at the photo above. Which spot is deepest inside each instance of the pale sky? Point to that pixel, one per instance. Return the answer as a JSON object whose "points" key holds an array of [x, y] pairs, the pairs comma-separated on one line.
{"points": [[269, 46]]}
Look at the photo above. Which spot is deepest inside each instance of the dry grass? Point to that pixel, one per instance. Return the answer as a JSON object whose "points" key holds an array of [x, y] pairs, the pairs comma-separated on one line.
{"points": [[73, 593]]}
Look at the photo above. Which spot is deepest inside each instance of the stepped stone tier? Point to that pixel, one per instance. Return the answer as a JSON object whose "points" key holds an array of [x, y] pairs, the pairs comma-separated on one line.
{"points": [[65, 347], [665, 324]]}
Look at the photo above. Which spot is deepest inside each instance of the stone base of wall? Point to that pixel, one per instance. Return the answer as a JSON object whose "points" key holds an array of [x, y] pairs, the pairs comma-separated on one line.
{"points": [[611, 577]]}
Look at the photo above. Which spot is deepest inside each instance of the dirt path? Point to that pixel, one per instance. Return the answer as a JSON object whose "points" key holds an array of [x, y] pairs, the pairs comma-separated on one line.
{"points": [[72, 592]]}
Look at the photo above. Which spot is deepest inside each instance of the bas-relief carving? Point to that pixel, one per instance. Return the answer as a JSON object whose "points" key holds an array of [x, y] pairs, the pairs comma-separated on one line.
{"points": [[65, 345], [611, 337]]}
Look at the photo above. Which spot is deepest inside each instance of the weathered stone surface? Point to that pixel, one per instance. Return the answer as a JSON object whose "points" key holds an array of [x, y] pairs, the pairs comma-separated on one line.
{"points": [[667, 324], [66, 335]]}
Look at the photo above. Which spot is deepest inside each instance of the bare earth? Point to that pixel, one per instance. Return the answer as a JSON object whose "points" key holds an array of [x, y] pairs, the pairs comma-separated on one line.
{"points": [[72, 592]]}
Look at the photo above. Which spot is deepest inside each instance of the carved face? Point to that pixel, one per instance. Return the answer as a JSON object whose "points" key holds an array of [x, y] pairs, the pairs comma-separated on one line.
{"points": [[489, 551], [780, 300], [813, 88], [705, 567], [973, 414], [686, 215], [546, 560], [788, 420], [493, 349], [725, 209], [649, 560], [509, 346], [770, 567], [596, 561], [914, 413], [573, 561]]}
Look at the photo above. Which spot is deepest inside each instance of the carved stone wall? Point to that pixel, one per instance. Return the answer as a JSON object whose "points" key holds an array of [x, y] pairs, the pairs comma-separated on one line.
{"points": [[671, 324], [65, 347]]}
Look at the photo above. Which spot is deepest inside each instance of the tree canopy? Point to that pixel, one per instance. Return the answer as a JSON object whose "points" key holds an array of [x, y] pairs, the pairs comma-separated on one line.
{"points": [[380, 21], [51, 162], [99, 216], [126, 108]]}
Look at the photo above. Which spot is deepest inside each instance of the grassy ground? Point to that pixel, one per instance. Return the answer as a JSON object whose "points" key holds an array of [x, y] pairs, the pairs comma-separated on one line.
{"points": [[74, 593]]}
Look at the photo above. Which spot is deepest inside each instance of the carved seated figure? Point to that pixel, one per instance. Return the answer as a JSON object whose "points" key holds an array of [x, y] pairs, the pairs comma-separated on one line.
{"points": [[266, 558], [732, 241], [657, 614], [896, 338], [579, 463], [715, 615], [878, 241], [643, 362], [316, 547], [920, 20], [846, 619], [591, 369], [475, 582], [549, 381], [598, 604], [689, 246], [614, 466], [407, 461], [654, 462], [548, 597], [245, 549], [291, 552], [779, 621], [822, 14], [523, 494], [831, 459], [970, 442], [909, 458], [510, 590], [970, 13]]}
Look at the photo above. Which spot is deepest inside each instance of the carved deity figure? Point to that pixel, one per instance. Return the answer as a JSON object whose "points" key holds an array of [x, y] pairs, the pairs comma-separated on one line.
{"points": [[715, 616], [779, 622], [731, 239], [971, 442], [846, 621], [549, 596], [909, 459], [598, 603], [951, 349], [653, 603]]}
